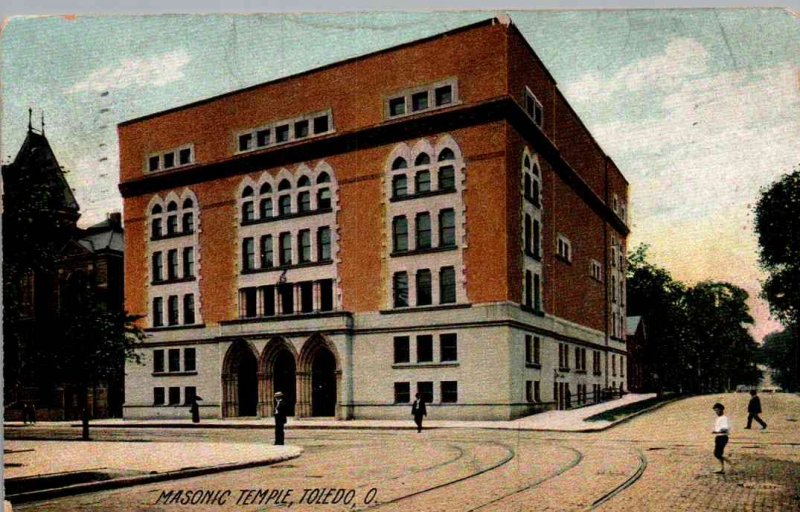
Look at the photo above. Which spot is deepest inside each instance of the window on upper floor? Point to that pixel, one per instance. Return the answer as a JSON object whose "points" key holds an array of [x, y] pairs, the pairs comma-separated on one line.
{"points": [[448, 347], [324, 243], [533, 107], [188, 262], [596, 270], [158, 361], [188, 308], [425, 348], [172, 264], [422, 182], [287, 130], [158, 312], [158, 266], [564, 248], [172, 311], [248, 254], [423, 231], [419, 99], [285, 248], [400, 234], [401, 349], [447, 285], [266, 251], [170, 159], [285, 205], [399, 186], [304, 249], [447, 228], [424, 285], [400, 289]]}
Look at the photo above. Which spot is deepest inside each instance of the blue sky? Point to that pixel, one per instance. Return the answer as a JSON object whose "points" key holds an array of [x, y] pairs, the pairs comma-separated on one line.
{"points": [[699, 108]]}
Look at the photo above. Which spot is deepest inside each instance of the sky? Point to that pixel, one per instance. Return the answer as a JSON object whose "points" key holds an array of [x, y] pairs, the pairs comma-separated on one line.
{"points": [[698, 108]]}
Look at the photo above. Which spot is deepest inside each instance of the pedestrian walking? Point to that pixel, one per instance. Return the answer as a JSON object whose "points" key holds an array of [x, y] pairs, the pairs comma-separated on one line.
{"points": [[721, 430], [26, 414], [753, 411], [280, 417], [32, 410], [419, 411]]}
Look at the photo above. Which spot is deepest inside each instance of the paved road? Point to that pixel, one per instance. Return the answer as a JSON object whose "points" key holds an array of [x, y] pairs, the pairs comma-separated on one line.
{"points": [[660, 461]]}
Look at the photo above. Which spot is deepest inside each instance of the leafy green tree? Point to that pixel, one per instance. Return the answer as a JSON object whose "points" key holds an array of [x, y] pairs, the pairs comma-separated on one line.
{"points": [[654, 295], [780, 352]]}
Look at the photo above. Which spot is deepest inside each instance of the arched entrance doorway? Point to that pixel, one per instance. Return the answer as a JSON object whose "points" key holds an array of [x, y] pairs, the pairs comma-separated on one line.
{"points": [[240, 381], [323, 384], [283, 378], [318, 376]]}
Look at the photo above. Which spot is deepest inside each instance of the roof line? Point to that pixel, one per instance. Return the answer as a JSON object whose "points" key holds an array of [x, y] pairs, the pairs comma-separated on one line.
{"points": [[472, 26]]}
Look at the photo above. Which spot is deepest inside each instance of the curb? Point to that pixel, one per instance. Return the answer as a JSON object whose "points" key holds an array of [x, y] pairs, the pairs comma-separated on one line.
{"points": [[117, 483], [633, 415], [289, 426]]}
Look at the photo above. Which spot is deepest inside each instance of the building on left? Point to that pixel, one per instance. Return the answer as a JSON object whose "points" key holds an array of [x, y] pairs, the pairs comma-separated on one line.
{"points": [[89, 257]]}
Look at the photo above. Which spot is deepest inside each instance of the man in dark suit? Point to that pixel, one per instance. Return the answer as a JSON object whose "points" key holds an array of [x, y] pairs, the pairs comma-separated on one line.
{"points": [[280, 417], [419, 411], [753, 410]]}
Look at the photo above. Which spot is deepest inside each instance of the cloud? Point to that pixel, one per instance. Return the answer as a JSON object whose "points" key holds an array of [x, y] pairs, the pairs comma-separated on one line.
{"points": [[696, 145], [137, 72]]}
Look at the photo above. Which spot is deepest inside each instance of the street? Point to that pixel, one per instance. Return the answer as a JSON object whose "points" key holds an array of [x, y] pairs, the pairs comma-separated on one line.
{"points": [[659, 461]]}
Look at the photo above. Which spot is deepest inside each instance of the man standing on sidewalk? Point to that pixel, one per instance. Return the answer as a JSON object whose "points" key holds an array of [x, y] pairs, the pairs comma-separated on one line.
{"points": [[721, 430], [280, 417], [753, 410], [419, 411]]}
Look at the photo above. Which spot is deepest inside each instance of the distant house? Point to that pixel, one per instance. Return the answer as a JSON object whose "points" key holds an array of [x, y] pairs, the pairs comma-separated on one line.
{"points": [[85, 257], [637, 336]]}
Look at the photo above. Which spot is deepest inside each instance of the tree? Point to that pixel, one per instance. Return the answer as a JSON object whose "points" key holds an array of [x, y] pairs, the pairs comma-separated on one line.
{"points": [[777, 223], [780, 353]]}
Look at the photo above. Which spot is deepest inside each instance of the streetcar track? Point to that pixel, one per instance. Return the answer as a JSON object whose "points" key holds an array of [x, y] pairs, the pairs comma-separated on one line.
{"points": [[509, 456], [577, 460], [624, 485]]}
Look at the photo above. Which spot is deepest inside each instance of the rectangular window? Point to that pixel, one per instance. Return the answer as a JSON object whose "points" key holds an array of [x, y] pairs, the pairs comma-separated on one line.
{"points": [[172, 224], [447, 228], [189, 393], [248, 254], [596, 271], [304, 238], [419, 101], [286, 292], [158, 361], [155, 229], [423, 238], [301, 129], [169, 160], [262, 138], [444, 95], [185, 156], [564, 248], [537, 293], [401, 349], [153, 162], [324, 244], [188, 262], [173, 310], [268, 299], [265, 246], [537, 350], [399, 186], [174, 358], [304, 201], [534, 109], [400, 289], [422, 182], [189, 359], [529, 288], [449, 391], [174, 395], [247, 303], [321, 124], [448, 347], [425, 389], [306, 290], [172, 264], [158, 312], [447, 285], [537, 391], [402, 392], [285, 205], [188, 223], [613, 365], [282, 133], [447, 178], [621, 366], [529, 390], [326, 295], [537, 249], [397, 106], [158, 396], [424, 292], [324, 199], [265, 208], [285, 248], [425, 348], [399, 234], [188, 308], [158, 267], [245, 141]]}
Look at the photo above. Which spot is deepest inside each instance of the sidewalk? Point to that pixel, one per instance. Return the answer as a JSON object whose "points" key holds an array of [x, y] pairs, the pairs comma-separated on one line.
{"points": [[563, 421], [44, 469]]}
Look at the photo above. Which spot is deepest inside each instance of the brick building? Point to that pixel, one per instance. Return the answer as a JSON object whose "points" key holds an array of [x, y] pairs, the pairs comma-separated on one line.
{"points": [[429, 218]]}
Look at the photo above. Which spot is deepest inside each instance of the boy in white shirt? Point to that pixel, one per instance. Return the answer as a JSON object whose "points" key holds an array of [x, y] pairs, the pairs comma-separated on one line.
{"points": [[721, 430]]}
